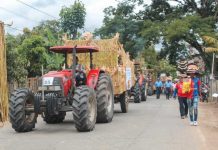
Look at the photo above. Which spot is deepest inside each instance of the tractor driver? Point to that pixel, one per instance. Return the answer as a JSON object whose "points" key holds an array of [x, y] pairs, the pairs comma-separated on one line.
{"points": [[80, 73]]}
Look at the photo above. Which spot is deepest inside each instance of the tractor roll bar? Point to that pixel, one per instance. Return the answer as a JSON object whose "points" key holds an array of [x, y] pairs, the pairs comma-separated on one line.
{"points": [[73, 68]]}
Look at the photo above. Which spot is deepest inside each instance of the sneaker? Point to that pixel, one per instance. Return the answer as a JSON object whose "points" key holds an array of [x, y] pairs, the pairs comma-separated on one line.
{"points": [[183, 117], [191, 123], [195, 123]]}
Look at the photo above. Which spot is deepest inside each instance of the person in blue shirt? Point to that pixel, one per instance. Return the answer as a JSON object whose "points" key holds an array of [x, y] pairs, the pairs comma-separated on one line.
{"points": [[158, 85], [193, 106], [168, 88]]}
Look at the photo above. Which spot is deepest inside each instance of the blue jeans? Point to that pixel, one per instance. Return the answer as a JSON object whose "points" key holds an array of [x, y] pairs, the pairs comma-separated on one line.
{"points": [[158, 92], [193, 108], [167, 92]]}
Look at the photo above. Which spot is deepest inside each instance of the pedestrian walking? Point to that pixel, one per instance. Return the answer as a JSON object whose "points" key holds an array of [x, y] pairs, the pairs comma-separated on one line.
{"points": [[168, 88], [194, 99], [174, 86], [182, 97], [158, 85]]}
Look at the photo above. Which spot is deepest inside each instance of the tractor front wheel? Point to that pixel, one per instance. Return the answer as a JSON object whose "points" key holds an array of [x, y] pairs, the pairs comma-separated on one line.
{"points": [[21, 110], [84, 109], [105, 99]]}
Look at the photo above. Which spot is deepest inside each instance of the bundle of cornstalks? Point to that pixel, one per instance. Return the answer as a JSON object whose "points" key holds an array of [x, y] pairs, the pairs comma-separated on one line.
{"points": [[111, 58], [3, 77]]}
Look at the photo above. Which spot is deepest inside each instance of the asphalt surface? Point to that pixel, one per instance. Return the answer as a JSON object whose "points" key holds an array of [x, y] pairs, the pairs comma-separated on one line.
{"points": [[151, 125]]}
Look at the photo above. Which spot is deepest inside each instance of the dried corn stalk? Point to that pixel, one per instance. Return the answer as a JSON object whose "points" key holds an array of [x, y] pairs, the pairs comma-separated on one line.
{"points": [[107, 60], [3, 77]]}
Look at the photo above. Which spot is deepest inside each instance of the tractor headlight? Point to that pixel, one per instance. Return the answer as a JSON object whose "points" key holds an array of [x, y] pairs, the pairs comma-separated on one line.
{"points": [[54, 88], [50, 88]]}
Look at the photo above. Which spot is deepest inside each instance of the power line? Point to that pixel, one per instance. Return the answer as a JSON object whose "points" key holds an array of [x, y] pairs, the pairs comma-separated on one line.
{"points": [[12, 12], [45, 13], [14, 28]]}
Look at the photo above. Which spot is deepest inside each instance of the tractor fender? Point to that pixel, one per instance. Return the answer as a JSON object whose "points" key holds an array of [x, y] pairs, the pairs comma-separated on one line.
{"points": [[92, 78]]}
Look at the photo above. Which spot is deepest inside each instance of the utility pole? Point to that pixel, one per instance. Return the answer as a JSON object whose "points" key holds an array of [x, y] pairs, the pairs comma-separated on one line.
{"points": [[212, 75]]}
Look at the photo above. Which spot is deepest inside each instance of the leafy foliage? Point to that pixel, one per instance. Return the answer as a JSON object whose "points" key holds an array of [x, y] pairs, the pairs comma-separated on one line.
{"points": [[166, 67], [123, 20], [177, 27], [50, 31], [27, 52], [15, 70], [32, 50], [73, 18]]}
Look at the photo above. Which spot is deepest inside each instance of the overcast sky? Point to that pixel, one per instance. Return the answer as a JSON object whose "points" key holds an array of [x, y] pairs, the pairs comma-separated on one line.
{"points": [[24, 16]]}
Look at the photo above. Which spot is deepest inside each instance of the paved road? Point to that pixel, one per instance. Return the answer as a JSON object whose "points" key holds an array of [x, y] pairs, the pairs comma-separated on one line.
{"points": [[151, 125]]}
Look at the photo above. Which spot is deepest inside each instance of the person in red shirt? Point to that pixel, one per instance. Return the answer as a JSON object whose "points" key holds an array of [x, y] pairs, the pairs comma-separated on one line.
{"points": [[190, 100], [182, 97]]}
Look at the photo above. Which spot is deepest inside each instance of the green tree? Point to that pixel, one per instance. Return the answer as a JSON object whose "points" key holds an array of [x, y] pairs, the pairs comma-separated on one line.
{"points": [[32, 51], [73, 18], [150, 57], [123, 20], [179, 26], [51, 32], [15, 64], [165, 67]]}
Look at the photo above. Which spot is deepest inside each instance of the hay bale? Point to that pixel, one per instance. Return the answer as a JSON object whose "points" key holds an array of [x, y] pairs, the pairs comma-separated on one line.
{"points": [[110, 50], [3, 76]]}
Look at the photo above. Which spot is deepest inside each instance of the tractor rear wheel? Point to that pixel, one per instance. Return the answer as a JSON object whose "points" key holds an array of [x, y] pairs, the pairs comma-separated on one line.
{"points": [[84, 108], [124, 102], [105, 99], [137, 93], [21, 110]]}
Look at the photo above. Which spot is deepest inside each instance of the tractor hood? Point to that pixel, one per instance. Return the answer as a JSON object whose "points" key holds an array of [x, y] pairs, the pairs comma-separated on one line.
{"points": [[56, 77], [62, 73]]}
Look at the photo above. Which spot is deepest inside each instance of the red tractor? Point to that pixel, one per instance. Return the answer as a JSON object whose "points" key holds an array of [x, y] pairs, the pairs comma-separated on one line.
{"points": [[90, 97]]}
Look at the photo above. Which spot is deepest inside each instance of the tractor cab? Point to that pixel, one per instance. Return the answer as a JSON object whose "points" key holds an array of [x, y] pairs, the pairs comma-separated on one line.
{"points": [[74, 50], [77, 70]]}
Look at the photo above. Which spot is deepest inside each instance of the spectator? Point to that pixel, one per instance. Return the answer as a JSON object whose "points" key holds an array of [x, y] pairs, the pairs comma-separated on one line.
{"points": [[158, 85], [168, 87]]}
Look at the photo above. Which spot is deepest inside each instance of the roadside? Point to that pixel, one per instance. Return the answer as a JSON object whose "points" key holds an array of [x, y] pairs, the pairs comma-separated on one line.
{"points": [[208, 124]]}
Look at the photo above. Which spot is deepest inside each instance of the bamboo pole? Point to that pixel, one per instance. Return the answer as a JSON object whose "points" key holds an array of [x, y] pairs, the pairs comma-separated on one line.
{"points": [[3, 76]]}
